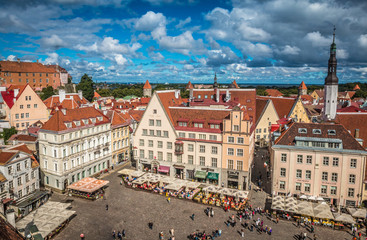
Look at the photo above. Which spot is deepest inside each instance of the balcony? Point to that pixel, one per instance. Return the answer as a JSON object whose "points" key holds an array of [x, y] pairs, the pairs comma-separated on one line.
{"points": [[179, 148]]}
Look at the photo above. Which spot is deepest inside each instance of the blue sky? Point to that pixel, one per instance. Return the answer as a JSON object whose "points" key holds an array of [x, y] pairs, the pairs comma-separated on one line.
{"points": [[267, 41]]}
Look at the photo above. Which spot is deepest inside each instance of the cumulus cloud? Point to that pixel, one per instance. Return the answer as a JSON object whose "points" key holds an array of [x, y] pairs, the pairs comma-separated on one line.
{"points": [[182, 23], [11, 58], [53, 58], [317, 40], [289, 50], [150, 21], [54, 41], [362, 40]]}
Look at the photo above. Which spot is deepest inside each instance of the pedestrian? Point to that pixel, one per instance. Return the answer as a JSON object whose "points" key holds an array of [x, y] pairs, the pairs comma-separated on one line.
{"points": [[150, 224], [123, 233], [172, 232], [298, 223], [193, 216], [169, 199], [240, 218], [219, 232], [277, 220], [304, 235], [114, 234], [119, 235], [242, 233], [161, 235], [270, 230], [314, 237], [212, 212], [106, 207]]}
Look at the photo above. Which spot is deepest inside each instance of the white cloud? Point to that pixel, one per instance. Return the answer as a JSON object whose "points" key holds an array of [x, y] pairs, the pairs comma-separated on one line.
{"points": [[11, 58], [53, 58], [317, 40], [120, 60], [342, 54], [289, 50], [183, 22], [54, 41], [183, 43], [150, 21], [362, 40], [156, 56]]}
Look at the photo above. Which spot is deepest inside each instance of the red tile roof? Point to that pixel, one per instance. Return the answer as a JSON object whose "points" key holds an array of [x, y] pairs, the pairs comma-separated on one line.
{"points": [[288, 136], [22, 137], [189, 85], [353, 121], [356, 87], [71, 101], [136, 114], [117, 119], [246, 97], [5, 156], [282, 105], [30, 67], [306, 98], [302, 85], [2, 179], [260, 106], [96, 95], [273, 93], [168, 99], [235, 84], [198, 115], [320, 93], [147, 85], [58, 120], [351, 109], [8, 232]]}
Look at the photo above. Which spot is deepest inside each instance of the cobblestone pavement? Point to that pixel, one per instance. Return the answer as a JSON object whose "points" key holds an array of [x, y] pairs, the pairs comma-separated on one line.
{"points": [[132, 210]]}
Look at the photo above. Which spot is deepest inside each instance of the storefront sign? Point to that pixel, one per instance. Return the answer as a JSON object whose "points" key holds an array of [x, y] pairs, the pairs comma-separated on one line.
{"points": [[144, 161]]}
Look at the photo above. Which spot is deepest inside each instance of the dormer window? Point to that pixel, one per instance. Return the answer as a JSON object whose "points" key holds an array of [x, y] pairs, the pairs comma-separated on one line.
{"points": [[77, 123], [198, 125], [93, 120], [182, 124], [68, 124], [316, 131], [302, 130], [85, 121], [214, 126], [100, 118], [331, 132]]}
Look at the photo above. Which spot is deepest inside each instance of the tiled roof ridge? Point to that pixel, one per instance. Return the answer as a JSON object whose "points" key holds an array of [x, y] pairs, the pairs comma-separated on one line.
{"points": [[282, 134], [147, 85]]}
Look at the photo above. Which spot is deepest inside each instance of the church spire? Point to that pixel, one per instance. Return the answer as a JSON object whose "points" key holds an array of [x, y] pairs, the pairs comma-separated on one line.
{"points": [[215, 85], [331, 78]]}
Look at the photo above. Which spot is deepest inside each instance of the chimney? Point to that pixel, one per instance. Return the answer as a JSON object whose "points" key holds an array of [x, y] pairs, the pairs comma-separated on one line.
{"points": [[177, 93], [356, 133], [16, 92], [191, 90], [10, 216], [80, 94], [63, 110], [228, 95], [61, 95], [18, 60], [217, 95]]}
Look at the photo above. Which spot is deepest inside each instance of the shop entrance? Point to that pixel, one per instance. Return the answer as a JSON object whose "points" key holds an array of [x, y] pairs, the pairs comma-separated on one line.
{"points": [[232, 184]]}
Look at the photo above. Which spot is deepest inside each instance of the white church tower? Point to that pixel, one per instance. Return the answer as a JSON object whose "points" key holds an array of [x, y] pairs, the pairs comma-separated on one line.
{"points": [[331, 85]]}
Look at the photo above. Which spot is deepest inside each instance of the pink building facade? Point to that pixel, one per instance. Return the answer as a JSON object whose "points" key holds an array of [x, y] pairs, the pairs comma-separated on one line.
{"points": [[321, 160]]}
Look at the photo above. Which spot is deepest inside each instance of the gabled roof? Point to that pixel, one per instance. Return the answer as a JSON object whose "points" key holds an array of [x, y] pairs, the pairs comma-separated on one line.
{"points": [[320, 93], [7, 153], [306, 98], [58, 121], [2, 178], [8, 95], [5, 156], [353, 121], [302, 85], [356, 87], [351, 109], [136, 114], [260, 107], [273, 93], [168, 99], [282, 105], [8, 232], [288, 137], [22, 137], [189, 85], [71, 101], [235, 83], [116, 119], [96, 95], [147, 85]]}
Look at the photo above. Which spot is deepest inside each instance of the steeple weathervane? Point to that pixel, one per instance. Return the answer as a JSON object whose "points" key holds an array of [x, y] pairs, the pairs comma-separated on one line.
{"points": [[215, 81]]}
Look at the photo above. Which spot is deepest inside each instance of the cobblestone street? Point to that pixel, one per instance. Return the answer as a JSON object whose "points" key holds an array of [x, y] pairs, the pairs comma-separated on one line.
{"points": [[132, 210]]}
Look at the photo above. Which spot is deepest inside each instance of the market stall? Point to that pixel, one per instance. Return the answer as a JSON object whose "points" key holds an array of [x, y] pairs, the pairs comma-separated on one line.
{"points": [[278, 203], [89, 188]]}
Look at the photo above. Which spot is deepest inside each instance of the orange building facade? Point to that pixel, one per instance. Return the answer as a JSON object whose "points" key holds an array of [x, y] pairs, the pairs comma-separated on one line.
{"points": [[34, 74]]}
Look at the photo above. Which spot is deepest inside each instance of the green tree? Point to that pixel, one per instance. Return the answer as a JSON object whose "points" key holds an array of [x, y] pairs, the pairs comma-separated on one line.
{"points": [[260, 91], [360, 94], [104, 92], [7, 133], [87, 86], [47, 92], [185, 93]]}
